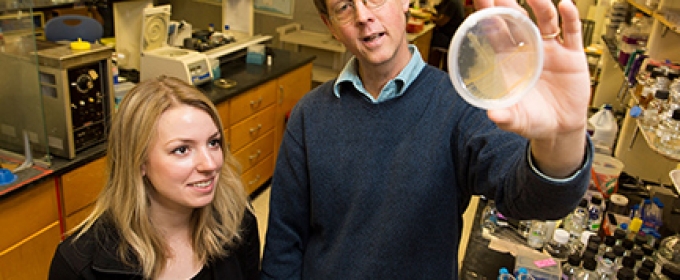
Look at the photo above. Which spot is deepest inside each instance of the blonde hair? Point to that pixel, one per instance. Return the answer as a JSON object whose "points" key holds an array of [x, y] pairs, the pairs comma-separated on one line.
{"points": [[124, 200]]}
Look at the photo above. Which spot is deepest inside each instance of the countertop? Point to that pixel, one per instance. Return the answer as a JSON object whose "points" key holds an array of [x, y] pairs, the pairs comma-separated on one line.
{"points": [[246, 75], [413, 36]]}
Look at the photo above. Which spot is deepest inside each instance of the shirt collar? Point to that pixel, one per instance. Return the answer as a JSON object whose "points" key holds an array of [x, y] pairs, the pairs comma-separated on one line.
{"points": [[394, 88]]}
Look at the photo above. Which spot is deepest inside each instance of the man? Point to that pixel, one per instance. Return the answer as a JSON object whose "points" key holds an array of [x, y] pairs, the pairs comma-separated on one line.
{"points": [[377, 167]]}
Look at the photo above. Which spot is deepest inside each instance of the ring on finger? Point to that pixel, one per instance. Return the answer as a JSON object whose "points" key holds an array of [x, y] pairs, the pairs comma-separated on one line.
{"points": [[551, 36]]}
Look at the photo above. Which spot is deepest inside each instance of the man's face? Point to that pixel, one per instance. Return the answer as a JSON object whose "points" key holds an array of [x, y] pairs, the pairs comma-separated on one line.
{"points": [[375, 34]]}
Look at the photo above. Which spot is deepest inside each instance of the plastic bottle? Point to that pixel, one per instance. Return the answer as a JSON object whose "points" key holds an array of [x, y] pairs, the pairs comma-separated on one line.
{"points": [[668, 134], [524, 227], [504, 274], [523, 274], [652, 215], [606, 128], [588, 272], [595, 214], [536, 236], [558, 246], [489, 218]]}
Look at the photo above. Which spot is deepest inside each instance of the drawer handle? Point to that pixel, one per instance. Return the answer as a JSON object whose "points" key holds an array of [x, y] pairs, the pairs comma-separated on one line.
{"points": [[255, 129], [256, 103], [256, 155], [281, 96], [257, 178]]}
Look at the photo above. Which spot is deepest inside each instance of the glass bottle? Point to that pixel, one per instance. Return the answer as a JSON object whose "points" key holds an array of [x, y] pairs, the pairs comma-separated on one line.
{"points": [[609, 242], [523, 274], [536, 237], [668, 134], [595, 214], [504, 274], [619, 235], [628, 261], [588, 272], [557, 247], [619, 251], [628, 245], [524, 227], [638, 255], [571, 267], [643, 273], [625, 273], [655, 109], [606, 266], [489, 218], [668, 272]]}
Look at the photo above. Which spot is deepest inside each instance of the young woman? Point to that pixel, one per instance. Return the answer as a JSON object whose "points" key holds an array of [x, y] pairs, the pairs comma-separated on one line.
{"points": [[174, 206]]}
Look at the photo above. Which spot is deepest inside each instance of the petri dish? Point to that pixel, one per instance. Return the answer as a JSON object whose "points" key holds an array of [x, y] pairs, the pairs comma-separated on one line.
{"points": [[495, 57]]}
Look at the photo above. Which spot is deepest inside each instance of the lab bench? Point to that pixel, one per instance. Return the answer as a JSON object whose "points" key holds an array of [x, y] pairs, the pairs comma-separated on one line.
{"points": [[36, 216]]}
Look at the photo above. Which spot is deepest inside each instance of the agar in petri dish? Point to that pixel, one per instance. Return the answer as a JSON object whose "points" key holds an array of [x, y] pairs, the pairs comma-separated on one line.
{"points": [[495, 57]]}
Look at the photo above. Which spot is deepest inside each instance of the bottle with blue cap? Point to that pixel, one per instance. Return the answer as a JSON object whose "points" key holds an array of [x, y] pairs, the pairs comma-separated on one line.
{"points": [[504, 274], [523, 274]]}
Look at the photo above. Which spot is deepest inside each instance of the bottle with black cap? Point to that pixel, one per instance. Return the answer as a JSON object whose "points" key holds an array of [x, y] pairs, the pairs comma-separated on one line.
{"points": [[619, 251], [606, 266], [625, 273], [649, 264], [588, 271], [648, 250], [609, 242], [640, 240], [619, 235], [595, 213], [668, 272], [628, 245], [638, 255], [628, 262], [643, 273], [572, 266]]}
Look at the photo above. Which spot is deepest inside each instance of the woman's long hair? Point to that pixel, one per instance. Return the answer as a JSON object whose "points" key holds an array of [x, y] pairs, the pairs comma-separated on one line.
{"points": [[124, 201]]}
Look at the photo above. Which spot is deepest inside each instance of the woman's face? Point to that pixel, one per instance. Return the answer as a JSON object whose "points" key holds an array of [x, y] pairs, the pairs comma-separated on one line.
{"points": [[184, 159]]}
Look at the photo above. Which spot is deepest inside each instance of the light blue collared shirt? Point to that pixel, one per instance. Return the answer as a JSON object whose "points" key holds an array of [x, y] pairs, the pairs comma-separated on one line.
{"points": [[394, 88]]}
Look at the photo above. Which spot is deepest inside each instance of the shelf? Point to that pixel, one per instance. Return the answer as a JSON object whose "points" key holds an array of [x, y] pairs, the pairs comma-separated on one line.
{"points": [[650, 138], [314, 40], [323, 74], [658, 15]]}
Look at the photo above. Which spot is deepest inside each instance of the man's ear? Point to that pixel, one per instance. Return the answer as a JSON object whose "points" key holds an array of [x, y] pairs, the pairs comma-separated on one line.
{"points": [[329, 25], [405, 5]]}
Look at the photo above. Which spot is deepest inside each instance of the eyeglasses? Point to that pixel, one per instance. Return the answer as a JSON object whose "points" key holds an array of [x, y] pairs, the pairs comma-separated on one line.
{"points": [[344, 11]]}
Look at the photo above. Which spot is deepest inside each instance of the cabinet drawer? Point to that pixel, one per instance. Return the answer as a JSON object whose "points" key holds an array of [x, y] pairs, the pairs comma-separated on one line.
{"points": [[76, 218], [255, 152], [257, 175], [30, 259], [27, 211], [251, 102], [223, 112], [81, 186], [251, 128]]}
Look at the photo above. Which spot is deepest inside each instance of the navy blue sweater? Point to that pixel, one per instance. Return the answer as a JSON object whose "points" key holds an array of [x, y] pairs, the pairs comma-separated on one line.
{"points": [[377, 191]]}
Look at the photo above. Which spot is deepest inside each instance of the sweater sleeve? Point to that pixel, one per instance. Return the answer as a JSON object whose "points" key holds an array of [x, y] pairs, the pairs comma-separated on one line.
{"points": [[495, 163], [288, 229]]}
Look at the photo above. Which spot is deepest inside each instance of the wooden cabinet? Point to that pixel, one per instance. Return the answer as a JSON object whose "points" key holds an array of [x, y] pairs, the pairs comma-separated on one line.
{"points": [[422, 41], [291, 87], [31, 232], [79, 190], [257, 121], [26, 212], [30, 259]]}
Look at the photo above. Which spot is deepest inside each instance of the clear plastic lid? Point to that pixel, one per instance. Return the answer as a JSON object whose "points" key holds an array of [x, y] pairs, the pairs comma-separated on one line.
{"points": [[495, 57]]}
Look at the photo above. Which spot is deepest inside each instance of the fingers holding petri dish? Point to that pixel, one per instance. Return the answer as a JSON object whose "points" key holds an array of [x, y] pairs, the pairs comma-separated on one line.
{"points": [[495, 57]]}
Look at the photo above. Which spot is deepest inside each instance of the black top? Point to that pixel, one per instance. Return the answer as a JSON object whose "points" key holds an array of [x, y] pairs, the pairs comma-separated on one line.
{"points": [[442, 34], [94, 256]]}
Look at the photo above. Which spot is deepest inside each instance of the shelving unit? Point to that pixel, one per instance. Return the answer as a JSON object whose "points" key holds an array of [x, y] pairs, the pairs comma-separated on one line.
{"points": [[294, 34], [641, 158]]}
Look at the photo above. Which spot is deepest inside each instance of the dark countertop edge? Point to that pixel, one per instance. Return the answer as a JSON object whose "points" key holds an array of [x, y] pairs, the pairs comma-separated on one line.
{"points": [[251, 75]]}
